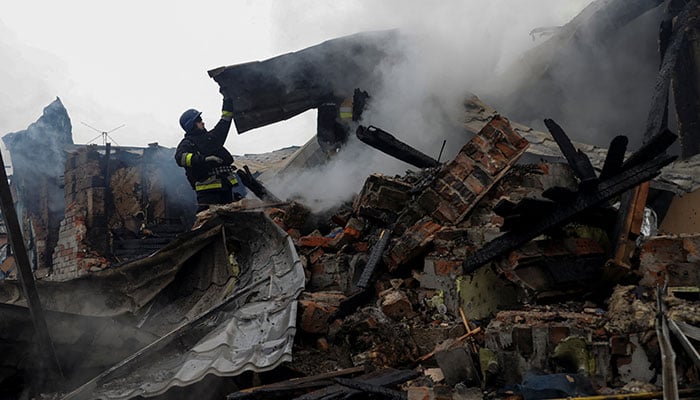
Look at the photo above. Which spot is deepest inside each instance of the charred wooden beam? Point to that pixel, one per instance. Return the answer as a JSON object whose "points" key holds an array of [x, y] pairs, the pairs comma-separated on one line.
{"points": [[670, 46], [686, 87], [560, 194], [579, 162], [562, 213], [519, 216], [650, 148], [615, 157], [284, 389], [613, 15], [627, 228], [387, 143], [255, 186], [47, 358], [109, 197], [352, 303], [372, 389], [385, 377]]}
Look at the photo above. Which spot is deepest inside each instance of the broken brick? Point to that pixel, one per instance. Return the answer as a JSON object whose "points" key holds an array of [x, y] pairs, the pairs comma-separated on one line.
{"points": [[314, 241], [360, 247], [315, 255], [420, 393], [330, 297], [274, 212], [330, 272], [464, 181], [670, 259], [456, 365], [382, 193], [412, 243], [395, 304], [314, 316]]}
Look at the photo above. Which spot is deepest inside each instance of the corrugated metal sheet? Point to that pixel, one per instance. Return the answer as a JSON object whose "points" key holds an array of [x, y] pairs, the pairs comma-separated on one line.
{"points": [[116, 291], [251, 329]]}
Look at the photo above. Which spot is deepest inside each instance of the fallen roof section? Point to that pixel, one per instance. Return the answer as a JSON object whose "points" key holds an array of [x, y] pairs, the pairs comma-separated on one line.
{"points": [[281, 87], [253, 329]]}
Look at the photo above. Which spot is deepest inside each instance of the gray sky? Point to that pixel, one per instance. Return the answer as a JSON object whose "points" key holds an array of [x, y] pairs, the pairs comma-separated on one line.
{"points": [[142, 63]]}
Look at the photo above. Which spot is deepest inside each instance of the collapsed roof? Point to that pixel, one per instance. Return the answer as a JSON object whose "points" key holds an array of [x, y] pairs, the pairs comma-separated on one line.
{"points": [[222, 299], [219, 299], [273, 90]]}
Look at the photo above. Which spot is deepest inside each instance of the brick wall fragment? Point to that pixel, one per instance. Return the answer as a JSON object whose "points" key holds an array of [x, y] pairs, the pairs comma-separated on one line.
{"points": [[671, 257], [483, 161]]}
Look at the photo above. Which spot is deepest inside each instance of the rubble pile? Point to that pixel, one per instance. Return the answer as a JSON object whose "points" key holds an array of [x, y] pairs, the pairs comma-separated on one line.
{"points": [[545, 308], [527, 266]]}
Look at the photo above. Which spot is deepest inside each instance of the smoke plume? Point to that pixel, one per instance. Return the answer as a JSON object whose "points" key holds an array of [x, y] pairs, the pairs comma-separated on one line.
{"points": [[451, 49]]}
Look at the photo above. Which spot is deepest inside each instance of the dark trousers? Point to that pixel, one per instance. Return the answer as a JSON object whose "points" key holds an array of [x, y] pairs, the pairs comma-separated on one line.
{"points": [[208, 197]]}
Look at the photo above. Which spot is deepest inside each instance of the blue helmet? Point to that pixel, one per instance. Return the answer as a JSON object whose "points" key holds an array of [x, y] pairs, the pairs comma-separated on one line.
{"points": [[187, 119]]}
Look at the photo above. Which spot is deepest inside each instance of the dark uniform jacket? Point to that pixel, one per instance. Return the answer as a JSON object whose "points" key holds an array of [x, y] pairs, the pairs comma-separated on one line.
{"points": [[197, 145]]}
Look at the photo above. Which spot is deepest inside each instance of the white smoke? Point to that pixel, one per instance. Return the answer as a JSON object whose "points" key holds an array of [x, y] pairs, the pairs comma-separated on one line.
{"points": [[23, 72], [450, 49]]}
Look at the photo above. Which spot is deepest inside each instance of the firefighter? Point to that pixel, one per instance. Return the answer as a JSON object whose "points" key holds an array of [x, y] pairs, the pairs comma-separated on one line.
{"points": [[206, 162]]}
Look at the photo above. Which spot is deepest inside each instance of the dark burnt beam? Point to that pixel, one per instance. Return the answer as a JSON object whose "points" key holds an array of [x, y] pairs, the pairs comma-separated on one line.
{"points": [[563, 213], [519, 216], [579, 162], [255, 186], [672, 41], [613, 15], [372, 388], [670, 45], [686, 91], [615, 157], [384, 377], [49, 364], [387, 143], [650, 148], [627, 229]]}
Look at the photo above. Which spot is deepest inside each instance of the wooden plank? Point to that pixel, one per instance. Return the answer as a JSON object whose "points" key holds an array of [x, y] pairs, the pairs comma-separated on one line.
{"points": [[293, 384]]}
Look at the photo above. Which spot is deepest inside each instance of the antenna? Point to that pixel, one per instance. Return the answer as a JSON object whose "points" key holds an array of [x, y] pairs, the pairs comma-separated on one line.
{"points": [[103, 134]]}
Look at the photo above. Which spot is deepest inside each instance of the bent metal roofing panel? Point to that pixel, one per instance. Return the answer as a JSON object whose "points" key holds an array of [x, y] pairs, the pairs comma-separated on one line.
{"points": [[252, 329]]}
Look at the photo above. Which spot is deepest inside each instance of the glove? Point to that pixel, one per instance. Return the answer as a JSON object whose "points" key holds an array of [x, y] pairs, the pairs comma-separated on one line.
{"points": [[215, 159], [227, 110]]}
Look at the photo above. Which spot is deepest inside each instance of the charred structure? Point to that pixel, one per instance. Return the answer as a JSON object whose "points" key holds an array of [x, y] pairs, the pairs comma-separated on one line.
{"points": [[529, 265]]}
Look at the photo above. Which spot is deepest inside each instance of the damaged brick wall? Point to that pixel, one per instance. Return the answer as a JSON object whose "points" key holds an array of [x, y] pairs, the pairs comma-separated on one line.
{"points": [[458, 186], [84, 192], [73, 257], [145, 189]]}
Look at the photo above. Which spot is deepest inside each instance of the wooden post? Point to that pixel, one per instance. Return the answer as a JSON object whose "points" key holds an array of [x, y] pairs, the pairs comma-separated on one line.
{"points": [[627, 229], [107, 199], [47, 355]]}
